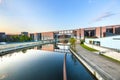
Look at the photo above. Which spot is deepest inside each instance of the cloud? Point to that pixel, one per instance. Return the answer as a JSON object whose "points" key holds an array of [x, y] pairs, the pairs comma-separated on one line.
{"points": [[103, 16]]}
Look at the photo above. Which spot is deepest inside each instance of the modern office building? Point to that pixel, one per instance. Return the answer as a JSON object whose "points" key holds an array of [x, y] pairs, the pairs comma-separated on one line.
{"points": [[47, 35], [81, 33], [106, 36], [92, 32], [31, 35], [24, 33], [64, 35], [2, 36], [35, 36], [98, 32]]}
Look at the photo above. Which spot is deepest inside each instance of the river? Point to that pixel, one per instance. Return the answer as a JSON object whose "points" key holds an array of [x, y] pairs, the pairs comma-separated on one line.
{"points": [[41, 63]]}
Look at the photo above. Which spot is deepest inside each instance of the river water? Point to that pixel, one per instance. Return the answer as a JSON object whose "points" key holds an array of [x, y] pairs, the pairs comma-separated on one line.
{"points": [[41, 63]]}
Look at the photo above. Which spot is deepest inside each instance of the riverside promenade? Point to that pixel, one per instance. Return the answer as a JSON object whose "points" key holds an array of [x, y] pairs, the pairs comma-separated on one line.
{"points": [[112, 53], [102, 67], [15, 46]]}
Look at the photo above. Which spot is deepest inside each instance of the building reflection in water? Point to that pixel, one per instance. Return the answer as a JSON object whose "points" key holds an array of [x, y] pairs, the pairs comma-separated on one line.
{"points": [[48, 47], [24, 50], [38, 47]]}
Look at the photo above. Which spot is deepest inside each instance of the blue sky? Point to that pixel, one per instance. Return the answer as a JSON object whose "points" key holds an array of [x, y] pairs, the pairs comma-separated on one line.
{"points": [[51, 15]]}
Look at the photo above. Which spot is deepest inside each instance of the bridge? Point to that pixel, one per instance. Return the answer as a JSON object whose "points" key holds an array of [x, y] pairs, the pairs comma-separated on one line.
{"points": [[15, 46]]}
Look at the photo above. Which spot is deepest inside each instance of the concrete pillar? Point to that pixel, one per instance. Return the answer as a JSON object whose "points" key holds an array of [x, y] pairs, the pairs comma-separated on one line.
{"points": [[78, 35], [103, 31], [89, 33], [97, 34], [113, 29], [82, 33]]}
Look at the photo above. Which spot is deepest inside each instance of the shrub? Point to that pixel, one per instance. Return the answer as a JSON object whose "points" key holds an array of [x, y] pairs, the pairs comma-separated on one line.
{"points": [[82, 41]]}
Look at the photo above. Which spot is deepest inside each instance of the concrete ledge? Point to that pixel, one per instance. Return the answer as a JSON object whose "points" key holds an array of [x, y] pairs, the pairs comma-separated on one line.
{"points": [[95, 70]]}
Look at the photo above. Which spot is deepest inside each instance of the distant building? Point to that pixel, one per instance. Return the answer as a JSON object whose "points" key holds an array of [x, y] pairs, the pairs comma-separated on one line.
{"points": [[47, 35], [98, 32], [110, 42], [64, 35], [35, 36], [24, 33], [9, 37], [2, 36], [31, 35]]}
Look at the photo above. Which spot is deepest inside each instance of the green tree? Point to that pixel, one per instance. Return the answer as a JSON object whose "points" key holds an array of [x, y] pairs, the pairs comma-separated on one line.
{"points": [[72, 42], [24, 38]]}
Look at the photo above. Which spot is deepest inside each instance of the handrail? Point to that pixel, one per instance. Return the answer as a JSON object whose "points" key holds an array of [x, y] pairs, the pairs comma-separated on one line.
{"points": [[64, 68], [10, 47]]}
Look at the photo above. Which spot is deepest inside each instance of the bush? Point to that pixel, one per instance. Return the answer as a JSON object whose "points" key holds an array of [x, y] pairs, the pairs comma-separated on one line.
{"points": [[82, 41]]}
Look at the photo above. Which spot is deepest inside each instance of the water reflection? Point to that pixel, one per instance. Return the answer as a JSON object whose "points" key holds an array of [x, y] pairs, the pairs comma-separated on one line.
{"points": [[38, 47], [24, 50], [34, 63], [75, 70], [3, 76], [74, 59], [48, 47]]}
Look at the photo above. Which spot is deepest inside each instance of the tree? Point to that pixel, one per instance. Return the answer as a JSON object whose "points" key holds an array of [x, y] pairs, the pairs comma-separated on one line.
{"points": [[72, 42], [24, 38]]}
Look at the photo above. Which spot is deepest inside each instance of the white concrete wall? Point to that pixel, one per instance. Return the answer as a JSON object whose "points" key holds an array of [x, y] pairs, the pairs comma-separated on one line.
{"points": [[110, 42]]}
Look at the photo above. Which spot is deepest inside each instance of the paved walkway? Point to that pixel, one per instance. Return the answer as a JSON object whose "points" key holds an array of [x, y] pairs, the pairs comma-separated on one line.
{"points": [[100, 63], [107, 52], [14, 46]]}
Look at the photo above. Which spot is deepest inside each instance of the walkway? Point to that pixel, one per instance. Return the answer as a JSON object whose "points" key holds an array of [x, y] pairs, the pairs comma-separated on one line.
{"points": [[14, 46], [107, 51], [104, 66]]}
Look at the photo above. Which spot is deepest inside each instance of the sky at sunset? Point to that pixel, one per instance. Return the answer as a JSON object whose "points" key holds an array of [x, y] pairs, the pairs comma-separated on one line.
{"points": [[50, 15]]}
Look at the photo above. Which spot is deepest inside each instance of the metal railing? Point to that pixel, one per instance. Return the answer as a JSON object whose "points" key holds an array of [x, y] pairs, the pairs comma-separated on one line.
{"points": [[14, 46], [64, 68]]}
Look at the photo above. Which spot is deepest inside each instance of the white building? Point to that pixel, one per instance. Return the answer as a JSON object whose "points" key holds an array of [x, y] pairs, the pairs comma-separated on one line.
{"points": [[110, 42]]}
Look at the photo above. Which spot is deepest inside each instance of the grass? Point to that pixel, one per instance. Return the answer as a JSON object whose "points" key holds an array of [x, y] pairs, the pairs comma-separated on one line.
{"points": [[88, 48], [94, 50], [112, 59]]}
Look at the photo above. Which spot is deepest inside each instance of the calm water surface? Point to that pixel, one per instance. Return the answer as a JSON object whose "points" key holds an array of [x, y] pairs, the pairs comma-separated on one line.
{"points": [[34, 64]]}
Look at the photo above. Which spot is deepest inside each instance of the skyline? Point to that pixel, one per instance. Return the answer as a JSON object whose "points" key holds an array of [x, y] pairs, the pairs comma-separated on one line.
{"points": [[51, 15]]}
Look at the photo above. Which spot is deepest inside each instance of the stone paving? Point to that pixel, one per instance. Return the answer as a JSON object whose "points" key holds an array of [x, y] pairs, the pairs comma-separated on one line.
{"points": [[105, 66], [106, 51]]}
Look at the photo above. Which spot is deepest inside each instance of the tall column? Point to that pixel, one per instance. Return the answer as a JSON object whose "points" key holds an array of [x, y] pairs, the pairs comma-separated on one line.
{"points": [[113, 29], [97, 32], [103, 31], [89, 33], [82, 33], [78, 35]]}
